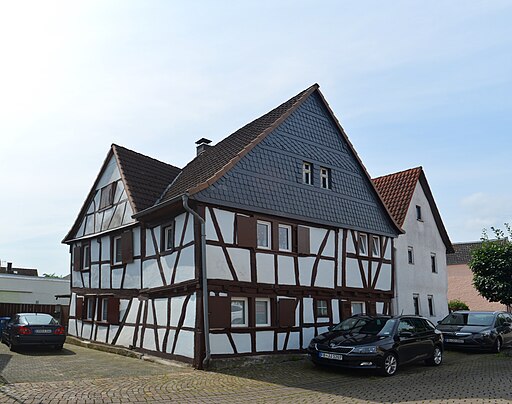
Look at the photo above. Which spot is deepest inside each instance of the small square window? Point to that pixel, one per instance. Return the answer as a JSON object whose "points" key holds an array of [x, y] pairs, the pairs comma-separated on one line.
{"points": [[107, 195], [322, 309], [433, 263], [262, 312], [376, 246], [325, 178], [168, 237], [418, 213], [307, 170], [239, 312], [263, 229], [357, 308], [117, 250], [363, 244], [285, 237], [410, 255]]}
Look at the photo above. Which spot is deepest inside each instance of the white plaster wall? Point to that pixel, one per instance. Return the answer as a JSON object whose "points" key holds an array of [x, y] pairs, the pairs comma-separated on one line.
{"points": [[220, 344], [151, 277], [316, 236], [325, 274], [265, 270], [264, 341], [32, 289], [241, 260], [353, 274], [132, 275], [306, 270], [217, 267], [384, 280], [168, 262], [242, 342], [185, 344], [285, 270], [424, 237], [308, 310], [186, 266]]}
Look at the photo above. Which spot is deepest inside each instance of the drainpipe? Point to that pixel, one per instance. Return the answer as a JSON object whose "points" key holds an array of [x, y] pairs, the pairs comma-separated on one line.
{"points": [[206, 325]]}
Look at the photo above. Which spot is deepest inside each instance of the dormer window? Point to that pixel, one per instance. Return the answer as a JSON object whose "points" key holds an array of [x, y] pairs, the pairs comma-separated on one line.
{"points": [[325, 178], [107, 195], [307, 170]]}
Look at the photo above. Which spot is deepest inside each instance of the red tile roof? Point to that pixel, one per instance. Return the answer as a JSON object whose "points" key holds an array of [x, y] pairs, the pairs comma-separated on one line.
{"points": [[396, 191]]}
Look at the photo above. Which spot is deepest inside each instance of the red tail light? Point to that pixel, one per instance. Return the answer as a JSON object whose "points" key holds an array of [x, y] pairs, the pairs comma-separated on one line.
{"points": [[22, 330], [59, 331]]}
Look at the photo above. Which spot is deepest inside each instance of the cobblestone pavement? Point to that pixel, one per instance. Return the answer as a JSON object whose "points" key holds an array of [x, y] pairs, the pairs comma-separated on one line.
{"points": [[81, 375]]}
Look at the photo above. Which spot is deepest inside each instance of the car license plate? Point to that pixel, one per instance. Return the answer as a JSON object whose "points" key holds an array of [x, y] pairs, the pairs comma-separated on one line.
{"points": [[454, 341], [43, 331], [327, 355]]}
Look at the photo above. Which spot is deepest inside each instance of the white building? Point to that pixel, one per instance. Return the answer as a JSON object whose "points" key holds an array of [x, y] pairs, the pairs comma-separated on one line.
{"points": [[421, 282]]}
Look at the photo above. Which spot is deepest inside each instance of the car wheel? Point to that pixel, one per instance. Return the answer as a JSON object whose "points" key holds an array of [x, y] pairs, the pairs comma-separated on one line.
{"points": [[390, 364], [12, 347], [497, 345], [437, 357]]}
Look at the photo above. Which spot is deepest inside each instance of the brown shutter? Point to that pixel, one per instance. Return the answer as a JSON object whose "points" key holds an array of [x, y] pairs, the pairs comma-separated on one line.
{"points": [[219, 311], [77, 258], [113, 310], [346, 310], [246, 227], [286, 308], [127, 247], [79, 308], [275, 236], [372, 308], [302, 240]]}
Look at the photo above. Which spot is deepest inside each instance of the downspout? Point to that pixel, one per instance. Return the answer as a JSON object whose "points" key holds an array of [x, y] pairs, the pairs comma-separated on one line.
{"points": [[206, 324]]}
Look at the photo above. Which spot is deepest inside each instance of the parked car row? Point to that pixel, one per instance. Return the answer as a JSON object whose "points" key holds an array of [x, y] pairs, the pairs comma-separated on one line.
{"points": [[32, 329], [385, 342]]}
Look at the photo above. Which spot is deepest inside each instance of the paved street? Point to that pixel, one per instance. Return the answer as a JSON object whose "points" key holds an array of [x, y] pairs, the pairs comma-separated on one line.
{"points": [[82, 375]]}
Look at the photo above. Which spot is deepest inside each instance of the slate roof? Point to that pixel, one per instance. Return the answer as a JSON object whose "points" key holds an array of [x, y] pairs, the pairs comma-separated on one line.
{"points": [[145, 178], [397, 189], [462, 254], [217, 158]]}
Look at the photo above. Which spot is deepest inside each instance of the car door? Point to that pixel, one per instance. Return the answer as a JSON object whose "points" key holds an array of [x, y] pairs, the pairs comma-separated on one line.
{"points": [[407, 341], [504, 328]]}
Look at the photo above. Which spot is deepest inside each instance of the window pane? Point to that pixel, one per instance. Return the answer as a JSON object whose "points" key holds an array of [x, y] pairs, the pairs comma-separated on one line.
{"points": [[104, 309], [284, 238], [263, 235], [238, 312], [321, 307], [168, 231], [362, 244], [357, 308], [262, 312]]}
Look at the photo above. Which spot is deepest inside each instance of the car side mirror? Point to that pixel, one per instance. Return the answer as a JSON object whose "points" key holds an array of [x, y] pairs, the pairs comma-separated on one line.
{"points": [[330, 328], [439, 321]]}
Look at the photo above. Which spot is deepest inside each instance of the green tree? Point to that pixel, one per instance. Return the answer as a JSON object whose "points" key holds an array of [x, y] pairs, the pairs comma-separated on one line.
{"points": [[491, 264], [456, 304]]}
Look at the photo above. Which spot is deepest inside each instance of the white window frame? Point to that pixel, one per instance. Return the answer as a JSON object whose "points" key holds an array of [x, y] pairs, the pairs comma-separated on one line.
{"points": [[86, 257], [307, 173], [289, 232], [430, 299], [326, 308], [410, 254], [90, 309], [375, 246], [267, 301], [416, 297], [269, 235], [325, 178], [363, 307], [362, 241], [104, 309], [115, 250], [168, 239], [433, 263], [245, 311]]}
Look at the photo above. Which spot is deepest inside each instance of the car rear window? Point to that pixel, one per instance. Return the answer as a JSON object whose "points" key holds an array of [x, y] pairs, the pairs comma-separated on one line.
{"points": [[38, 319], [482, 319]]}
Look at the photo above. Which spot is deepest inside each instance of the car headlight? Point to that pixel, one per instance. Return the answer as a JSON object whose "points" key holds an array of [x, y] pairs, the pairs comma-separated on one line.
{"points": [[312, 344], [365, 350], [486, 333]]}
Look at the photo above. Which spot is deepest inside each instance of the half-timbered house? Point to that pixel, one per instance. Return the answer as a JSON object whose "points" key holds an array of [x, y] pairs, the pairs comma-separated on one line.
{"points": [[276, 232]]}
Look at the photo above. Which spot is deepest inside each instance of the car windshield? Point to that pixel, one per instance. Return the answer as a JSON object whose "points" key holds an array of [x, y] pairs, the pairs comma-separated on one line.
{"points": [[378, 326], [481, 319], [38, 319], [351, 324]]}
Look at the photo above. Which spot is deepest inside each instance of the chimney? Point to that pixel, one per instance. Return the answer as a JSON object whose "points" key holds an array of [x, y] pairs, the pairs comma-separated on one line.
{"points": [[202, 145], [9, 268]]}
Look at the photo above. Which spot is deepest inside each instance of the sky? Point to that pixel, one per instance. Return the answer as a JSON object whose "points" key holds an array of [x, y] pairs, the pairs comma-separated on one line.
{"points": [[413, 83]]}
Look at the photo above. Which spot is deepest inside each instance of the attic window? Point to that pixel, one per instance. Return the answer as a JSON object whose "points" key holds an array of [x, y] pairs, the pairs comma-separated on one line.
{"points": [[418, 213], [325, 178], [307, 177], [363, 244], [107, 195]]}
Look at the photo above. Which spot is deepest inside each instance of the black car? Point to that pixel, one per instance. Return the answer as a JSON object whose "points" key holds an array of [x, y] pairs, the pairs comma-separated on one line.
{"points": [[34, 329], [482, 330], [382, 343]]}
